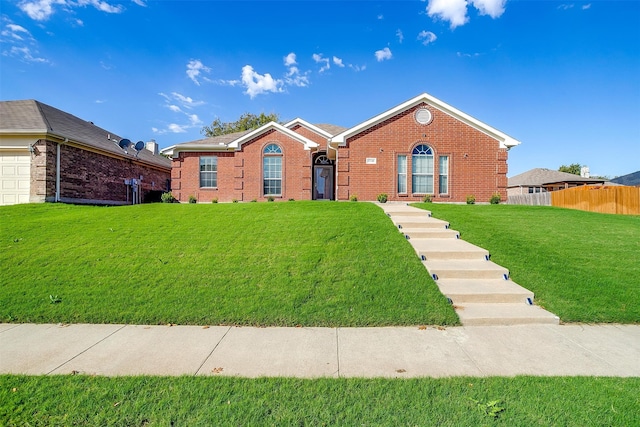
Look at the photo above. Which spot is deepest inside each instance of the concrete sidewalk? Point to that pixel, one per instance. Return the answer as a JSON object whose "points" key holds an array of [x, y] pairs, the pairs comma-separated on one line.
{"points": [[598, 350]]}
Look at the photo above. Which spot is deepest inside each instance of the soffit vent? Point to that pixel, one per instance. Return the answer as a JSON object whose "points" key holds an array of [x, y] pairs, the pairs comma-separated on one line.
{"points": [[423, 116]]}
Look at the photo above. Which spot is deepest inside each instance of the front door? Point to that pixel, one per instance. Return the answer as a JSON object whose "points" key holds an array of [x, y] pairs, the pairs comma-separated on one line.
{"points": [[323, 182]]}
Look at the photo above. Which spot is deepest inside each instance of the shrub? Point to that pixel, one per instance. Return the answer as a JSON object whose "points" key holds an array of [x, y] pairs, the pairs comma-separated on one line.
{"points": [[292, 200], [192, 199], [382, 197], [426, 198], [254, 200], [353, 198], [270, 199], [495, 199], [214, 200], [234, 201], [167, 198], [471, 199]]}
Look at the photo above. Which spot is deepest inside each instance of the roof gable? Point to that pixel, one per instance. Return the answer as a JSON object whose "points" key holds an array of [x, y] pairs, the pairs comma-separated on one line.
{"points": [[237, 143], [505, 140]]}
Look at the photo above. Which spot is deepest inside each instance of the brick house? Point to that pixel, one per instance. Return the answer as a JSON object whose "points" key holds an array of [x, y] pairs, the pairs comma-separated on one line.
{"points": [[48, 155], [422, 146]]}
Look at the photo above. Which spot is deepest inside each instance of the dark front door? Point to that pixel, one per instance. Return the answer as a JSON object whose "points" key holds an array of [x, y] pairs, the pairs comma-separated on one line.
{"points": [[323, 182]]}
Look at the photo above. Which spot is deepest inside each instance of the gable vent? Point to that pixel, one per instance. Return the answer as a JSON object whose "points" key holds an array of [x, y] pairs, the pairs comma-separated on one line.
{"points": [[423, 116]]}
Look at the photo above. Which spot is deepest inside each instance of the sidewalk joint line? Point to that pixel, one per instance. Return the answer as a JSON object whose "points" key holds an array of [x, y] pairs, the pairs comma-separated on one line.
{"points": [[338, 352], [210, 353], [87, 349]]}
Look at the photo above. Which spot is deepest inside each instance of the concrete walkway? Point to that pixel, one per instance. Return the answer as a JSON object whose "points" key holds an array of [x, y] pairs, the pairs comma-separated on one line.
{"points": [[598, 350]]}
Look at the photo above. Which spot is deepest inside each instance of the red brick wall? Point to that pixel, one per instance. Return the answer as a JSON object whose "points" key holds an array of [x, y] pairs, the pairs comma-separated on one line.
{"points": [[477, 166], [240, 172], [318, 139], [89, 177]]}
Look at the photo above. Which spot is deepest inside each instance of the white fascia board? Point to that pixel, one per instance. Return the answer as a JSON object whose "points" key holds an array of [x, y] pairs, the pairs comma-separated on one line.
{"points": [[505, 140], [304, 123], [308, 144]]}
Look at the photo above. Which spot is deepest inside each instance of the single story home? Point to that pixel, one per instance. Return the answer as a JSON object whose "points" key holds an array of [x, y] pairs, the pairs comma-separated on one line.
{"points": [[48, 155], [631, 179], [542, 180], [420, 147]]}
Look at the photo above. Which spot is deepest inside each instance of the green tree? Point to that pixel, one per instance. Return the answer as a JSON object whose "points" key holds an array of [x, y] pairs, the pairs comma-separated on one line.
{"points": [[573, 168], [247, 121]]}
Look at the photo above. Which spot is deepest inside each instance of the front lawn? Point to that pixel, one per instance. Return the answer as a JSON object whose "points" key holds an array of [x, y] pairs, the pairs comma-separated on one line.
{"points": [[287, 264], [223, 401], [582, 266]]}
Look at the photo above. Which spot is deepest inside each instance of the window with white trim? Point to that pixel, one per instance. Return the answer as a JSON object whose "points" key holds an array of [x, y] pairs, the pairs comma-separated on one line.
{"points": [[209, 171], [272, 170], [402, 174], [443, 174], [422, 170]]}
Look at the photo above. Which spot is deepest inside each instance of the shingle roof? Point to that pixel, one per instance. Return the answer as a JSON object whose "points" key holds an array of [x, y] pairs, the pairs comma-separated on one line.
{"points": [[541, 176], [332, 129], [629, 179], [30, 116]]}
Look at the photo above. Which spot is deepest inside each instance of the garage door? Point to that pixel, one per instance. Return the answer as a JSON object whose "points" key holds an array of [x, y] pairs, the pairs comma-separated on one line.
{"points": [[15, 177]]}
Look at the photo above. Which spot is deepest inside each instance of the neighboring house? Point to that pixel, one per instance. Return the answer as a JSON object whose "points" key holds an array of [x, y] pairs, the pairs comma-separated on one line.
{"points": [[632, 179], [47, 155], [542, 180], [420, 147]]}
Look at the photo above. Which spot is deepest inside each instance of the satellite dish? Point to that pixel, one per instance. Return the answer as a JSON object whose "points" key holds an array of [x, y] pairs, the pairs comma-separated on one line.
{"points": [[124, 143], [139, 145]]}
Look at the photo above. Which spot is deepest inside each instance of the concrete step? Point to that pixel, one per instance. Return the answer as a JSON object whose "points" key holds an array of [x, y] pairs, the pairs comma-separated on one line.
{"points": [[418, 222], [462, 291], [447, 248], [483, 314], [465, 269], [430, 233], [403, 209]]}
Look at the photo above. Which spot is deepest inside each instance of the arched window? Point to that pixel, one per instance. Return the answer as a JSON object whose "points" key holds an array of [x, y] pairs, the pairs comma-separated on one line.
{"points": [[422, 170], [272, 170]]}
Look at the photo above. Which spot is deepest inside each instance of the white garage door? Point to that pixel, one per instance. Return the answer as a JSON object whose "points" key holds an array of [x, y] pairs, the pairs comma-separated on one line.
{"points": [[15, 177]]}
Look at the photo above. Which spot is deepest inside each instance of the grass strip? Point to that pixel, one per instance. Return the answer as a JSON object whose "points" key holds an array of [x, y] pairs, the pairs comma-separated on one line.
{"points": [[582, 266], [225, 401], [285, 264]]}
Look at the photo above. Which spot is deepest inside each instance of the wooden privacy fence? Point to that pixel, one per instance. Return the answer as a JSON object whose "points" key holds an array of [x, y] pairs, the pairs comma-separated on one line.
{"points": [[603, 199]]}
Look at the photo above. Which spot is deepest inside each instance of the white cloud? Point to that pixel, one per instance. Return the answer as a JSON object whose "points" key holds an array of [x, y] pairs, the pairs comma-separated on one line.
{"points": [[80, 22], [319, 59], [16, 32], [140, 3], [586, 6], [194, 68], [337, 61], [454, 11], [290, 60], [380, 17], [383, 54], [565, 6], [357, 68], [493, 8], [176, 128], [427, 37], [257, 84], [100, 101], [25, 54], [185, 101], [174, 108], [399, 35], [41, 10]]}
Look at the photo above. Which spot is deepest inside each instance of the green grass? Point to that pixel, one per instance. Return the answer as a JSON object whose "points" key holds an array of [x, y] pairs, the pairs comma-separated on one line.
{"points": [[582, 266], [301, 263], [205, 401]]}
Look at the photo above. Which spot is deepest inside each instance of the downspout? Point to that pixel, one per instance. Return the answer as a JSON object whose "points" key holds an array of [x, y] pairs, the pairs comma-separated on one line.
{"points": [[57, 196]]}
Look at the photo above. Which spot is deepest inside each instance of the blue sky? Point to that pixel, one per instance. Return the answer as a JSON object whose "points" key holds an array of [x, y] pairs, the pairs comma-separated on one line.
{"points": [[563, 77]]}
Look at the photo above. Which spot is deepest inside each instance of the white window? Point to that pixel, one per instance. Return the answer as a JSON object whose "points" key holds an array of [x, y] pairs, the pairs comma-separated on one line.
{"points": [[422, 170], [402, 174], [209, 171], [443, 177], [272, 170]]}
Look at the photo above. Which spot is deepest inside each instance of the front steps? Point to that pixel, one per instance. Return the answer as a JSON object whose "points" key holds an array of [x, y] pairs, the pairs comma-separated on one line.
{"points": [[480, 290]]}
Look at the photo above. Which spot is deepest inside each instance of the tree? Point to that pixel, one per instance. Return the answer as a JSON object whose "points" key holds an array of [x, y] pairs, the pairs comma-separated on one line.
{"points": [[247, 121], [573, 168]]}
